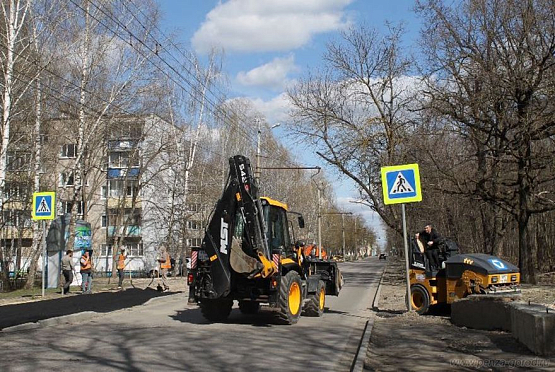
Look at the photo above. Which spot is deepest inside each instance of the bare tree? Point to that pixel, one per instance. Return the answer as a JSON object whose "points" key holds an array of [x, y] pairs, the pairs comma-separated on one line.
{"points": [[492, 66], [357, 111]]}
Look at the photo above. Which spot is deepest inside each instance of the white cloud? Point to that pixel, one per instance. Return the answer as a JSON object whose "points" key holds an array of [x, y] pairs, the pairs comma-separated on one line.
{"points": [[268, 25], [271, 75], [275, 110]]}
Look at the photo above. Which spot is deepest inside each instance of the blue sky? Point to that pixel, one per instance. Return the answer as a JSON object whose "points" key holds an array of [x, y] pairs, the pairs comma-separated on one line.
{"points": [[270, 43]]}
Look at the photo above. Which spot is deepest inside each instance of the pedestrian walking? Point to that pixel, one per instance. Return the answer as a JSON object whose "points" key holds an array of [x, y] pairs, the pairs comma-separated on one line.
{"points": [[67, 270], [121, 257], [164, 260], [86, 273]]}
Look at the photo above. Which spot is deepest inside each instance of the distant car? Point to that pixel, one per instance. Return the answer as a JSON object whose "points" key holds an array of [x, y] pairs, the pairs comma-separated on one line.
{"points": [[338, 258], [382, 256]]}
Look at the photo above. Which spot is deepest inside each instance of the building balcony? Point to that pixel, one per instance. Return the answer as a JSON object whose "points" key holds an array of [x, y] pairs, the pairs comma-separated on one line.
{"points": [[114, 173], [12, 232], [129, 231], [124, 202]]}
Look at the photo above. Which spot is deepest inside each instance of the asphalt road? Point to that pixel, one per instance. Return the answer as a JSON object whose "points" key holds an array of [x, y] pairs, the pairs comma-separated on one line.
{"points": [[166, 334]]}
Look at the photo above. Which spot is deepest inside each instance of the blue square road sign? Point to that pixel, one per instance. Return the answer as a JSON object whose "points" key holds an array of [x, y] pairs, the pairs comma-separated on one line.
{"points": [[44, 206], [401, 184]]}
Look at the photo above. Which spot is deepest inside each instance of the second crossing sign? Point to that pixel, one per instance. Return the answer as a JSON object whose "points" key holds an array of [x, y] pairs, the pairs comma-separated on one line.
{"points": [[401, 184]]}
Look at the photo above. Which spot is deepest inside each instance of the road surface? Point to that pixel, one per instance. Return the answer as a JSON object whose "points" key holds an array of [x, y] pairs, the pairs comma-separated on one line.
{"points": [[166, 334]]}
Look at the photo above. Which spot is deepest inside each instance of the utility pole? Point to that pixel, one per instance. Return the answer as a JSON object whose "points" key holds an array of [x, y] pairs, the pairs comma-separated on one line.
{"points": [[257, 172], [319, 228], [343, 234]]}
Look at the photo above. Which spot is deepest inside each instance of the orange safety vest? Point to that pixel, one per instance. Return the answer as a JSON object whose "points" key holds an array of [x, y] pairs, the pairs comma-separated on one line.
{"points": [[166, 264], [121, 262], [87, 265]]}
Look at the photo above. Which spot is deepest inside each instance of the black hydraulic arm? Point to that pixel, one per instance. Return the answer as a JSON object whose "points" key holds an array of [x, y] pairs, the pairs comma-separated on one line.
{"points": [[239, 200]]}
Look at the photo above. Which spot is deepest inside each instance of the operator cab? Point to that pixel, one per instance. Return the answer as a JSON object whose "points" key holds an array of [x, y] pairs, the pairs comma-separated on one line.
{"points": [[418, 260], [279, 236], [275, 215]]}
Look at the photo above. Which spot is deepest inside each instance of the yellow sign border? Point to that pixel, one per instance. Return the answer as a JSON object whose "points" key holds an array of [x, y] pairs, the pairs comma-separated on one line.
{"points": [[397, 168], [37, 195]]}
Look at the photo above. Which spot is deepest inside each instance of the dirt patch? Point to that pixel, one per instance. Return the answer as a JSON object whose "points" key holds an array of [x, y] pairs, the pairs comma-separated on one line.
{"points": [[409, 342]]}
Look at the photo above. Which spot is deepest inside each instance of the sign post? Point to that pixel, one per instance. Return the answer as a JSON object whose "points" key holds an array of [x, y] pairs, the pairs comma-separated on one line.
{"points": [[401, 184], [43, 209]]}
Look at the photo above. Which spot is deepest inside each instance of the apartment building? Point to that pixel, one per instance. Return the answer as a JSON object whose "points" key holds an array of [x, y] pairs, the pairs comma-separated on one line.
{"points": [[129, 188]]}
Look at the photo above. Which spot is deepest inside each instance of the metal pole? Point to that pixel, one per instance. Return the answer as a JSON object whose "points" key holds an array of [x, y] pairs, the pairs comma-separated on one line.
{"points": [[357, 249], [343, 232], [44, 256], [319, 227], [257, 173], [409, 305]]}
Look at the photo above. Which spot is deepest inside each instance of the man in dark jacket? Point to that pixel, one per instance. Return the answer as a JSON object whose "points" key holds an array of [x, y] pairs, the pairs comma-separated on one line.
{"points": [[67, 270], [431, 240]]}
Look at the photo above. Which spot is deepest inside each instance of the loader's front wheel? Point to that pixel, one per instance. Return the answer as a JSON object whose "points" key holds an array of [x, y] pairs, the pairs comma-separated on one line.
{"points": [[290, 298], [420, 299], [249, 307], [216, 310], [316, 301]]}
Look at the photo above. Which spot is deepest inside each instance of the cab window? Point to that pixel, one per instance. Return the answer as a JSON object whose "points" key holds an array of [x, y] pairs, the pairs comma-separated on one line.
{"points": [[277, 228]]}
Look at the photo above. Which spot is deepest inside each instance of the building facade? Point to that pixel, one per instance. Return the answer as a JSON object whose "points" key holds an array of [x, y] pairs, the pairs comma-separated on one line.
{"points": [[127, 182]]}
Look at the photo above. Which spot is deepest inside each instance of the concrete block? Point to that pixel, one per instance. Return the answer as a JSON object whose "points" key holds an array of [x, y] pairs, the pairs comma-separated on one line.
{"points": [[534, 327], [482, 312]]}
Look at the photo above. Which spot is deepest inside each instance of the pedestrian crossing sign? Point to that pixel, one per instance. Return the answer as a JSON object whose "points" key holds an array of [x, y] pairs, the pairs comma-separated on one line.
{"points": [[401, 184], [43, 205]]}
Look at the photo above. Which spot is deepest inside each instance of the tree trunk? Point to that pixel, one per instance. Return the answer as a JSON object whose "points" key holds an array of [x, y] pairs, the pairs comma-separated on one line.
{"points": [[525, 256]]}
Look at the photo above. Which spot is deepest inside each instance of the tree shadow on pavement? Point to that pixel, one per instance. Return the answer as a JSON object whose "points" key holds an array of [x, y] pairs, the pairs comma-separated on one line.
{"points": [[11, 315]]}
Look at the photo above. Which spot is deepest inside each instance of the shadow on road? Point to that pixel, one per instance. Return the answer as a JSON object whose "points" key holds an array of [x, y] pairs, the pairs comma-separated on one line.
{"points": [[264, 318], [11, 315]]}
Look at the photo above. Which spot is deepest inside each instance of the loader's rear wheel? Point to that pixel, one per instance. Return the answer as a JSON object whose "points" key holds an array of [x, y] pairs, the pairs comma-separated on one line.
{"points": [[290, 298], [316, 301], [420, 299], [249, 307], [216, 310]]}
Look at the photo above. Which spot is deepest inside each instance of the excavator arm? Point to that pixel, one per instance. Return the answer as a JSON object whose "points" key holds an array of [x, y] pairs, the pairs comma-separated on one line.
{"points": [[235, 237]]}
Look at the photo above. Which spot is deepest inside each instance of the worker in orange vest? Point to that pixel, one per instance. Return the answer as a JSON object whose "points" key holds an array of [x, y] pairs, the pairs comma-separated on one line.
{"points": [[165, 264], [120, 260], [86, 273]]}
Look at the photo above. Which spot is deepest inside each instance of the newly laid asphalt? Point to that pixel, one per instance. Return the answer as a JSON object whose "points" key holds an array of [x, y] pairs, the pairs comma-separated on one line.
{"points": [[104, 302]]}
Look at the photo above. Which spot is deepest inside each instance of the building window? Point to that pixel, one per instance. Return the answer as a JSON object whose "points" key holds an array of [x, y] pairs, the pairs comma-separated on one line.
{"points": [[193, 225], [67, 206], [194, 242], [17, 218], [67, 179], [121, 131], [104, 221], [135, 249], [68, 150], [193, 189], [116, 188], [131, 217], [194, 207], [15, 191], [123, 159], [103, 192], [18, 161], [106, 250]]}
